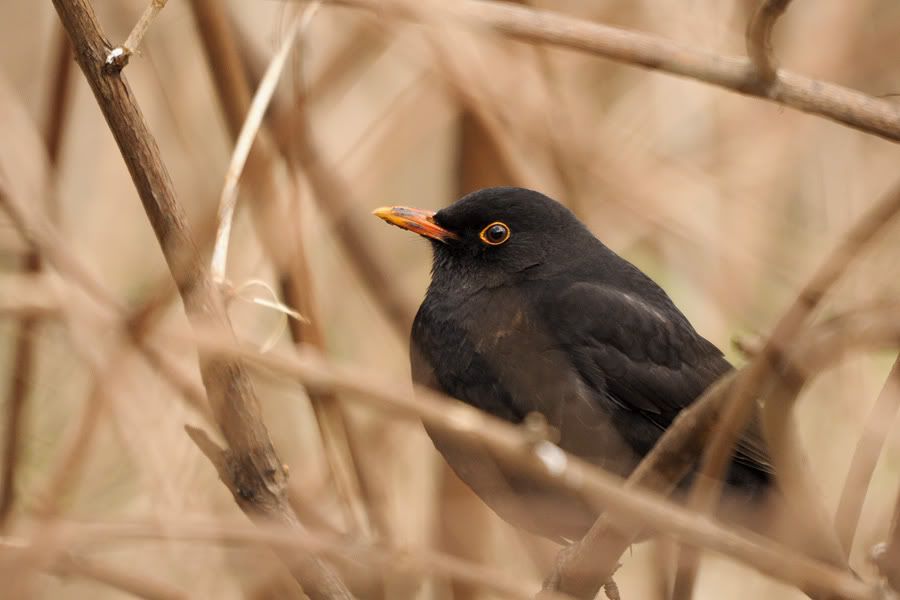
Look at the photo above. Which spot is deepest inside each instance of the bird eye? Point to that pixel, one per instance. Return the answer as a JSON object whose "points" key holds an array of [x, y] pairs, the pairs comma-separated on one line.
{"points": [[495, 234]]}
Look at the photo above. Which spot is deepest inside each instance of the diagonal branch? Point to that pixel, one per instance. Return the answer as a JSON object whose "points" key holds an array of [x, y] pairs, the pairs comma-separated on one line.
{"points": [[865, 457], [834, 102], [255, 470]]}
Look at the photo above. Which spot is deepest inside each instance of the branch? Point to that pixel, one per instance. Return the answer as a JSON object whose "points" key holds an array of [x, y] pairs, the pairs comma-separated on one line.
{"points": [[583, 569], [67, 564], [275, 214], [887, 555], [515, 449], [255, 469], [752, 379], [865, 457], [834, 102], [759, 38]]}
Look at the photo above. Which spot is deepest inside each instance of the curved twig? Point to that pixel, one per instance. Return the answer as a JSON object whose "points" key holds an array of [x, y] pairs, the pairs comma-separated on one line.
{"points": [[759, 37]]}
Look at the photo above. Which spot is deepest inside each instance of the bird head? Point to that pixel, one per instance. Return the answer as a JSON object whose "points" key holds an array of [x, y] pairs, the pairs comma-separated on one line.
{"points": [[492, 235]]}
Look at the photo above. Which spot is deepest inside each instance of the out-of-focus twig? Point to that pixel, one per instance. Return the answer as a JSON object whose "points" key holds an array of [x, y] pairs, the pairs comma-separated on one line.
{"points": [[22, 367], [68, 565], [750, 383], [279, 230], [865, 456], [405, 561], [887, 555], [251, 124], [335, 197], [759, 37], [840, 104], [256, 476], [58, 102]]}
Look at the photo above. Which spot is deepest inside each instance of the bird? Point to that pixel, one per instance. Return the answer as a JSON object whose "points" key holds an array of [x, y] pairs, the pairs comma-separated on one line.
{"points": [[528, 312]]}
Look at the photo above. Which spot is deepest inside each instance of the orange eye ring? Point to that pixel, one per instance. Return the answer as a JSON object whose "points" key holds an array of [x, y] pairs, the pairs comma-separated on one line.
{"points": [[495, 234]]}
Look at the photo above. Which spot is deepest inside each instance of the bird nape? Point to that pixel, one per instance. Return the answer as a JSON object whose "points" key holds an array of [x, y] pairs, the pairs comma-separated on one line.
{"points": [[528, 312]]}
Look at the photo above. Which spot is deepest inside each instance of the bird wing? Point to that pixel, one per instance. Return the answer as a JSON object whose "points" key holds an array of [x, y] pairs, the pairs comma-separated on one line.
{"points": [[642, 356]]}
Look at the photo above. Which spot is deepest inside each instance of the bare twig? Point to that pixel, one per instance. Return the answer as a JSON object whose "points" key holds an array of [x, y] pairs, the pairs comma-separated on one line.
{"points": [[831, 101], [887, 555], [17, 394], [58, 101], [335, 198], [868, 449], [251, 124], [256, 471], [118, 57], [759, 37], [68, 564]]}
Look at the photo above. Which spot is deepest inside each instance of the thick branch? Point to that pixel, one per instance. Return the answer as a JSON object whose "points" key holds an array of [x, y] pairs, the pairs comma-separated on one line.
{"points": [[840, 104], [255, 471]]}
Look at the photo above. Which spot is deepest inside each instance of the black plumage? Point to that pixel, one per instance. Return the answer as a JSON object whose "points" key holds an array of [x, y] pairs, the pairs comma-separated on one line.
{"points": [[527, 312]]}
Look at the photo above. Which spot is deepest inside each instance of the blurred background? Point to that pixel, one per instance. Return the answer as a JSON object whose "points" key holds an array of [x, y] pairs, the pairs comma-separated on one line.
{"points": [[728, 202]]}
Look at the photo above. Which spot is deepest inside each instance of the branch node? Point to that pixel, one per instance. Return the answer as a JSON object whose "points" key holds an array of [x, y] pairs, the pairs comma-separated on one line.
{"points": [[116, 60]]}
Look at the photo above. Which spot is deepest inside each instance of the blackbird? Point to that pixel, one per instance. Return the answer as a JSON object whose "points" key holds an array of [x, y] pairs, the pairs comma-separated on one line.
{"points": [[528, 312]]}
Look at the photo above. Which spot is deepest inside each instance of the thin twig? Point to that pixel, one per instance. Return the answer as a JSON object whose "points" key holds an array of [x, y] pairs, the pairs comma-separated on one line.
{"points": [[865, 457], [405, 561], [252, 122], [886, 556], [840, 104], [20, 381], [118, 57]]}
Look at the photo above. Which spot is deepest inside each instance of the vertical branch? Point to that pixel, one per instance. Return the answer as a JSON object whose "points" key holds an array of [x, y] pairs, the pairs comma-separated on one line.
{"points": [[23, 346], [278, 223], [250, 467], [865, 457], [16, 397], [752, 379]]}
